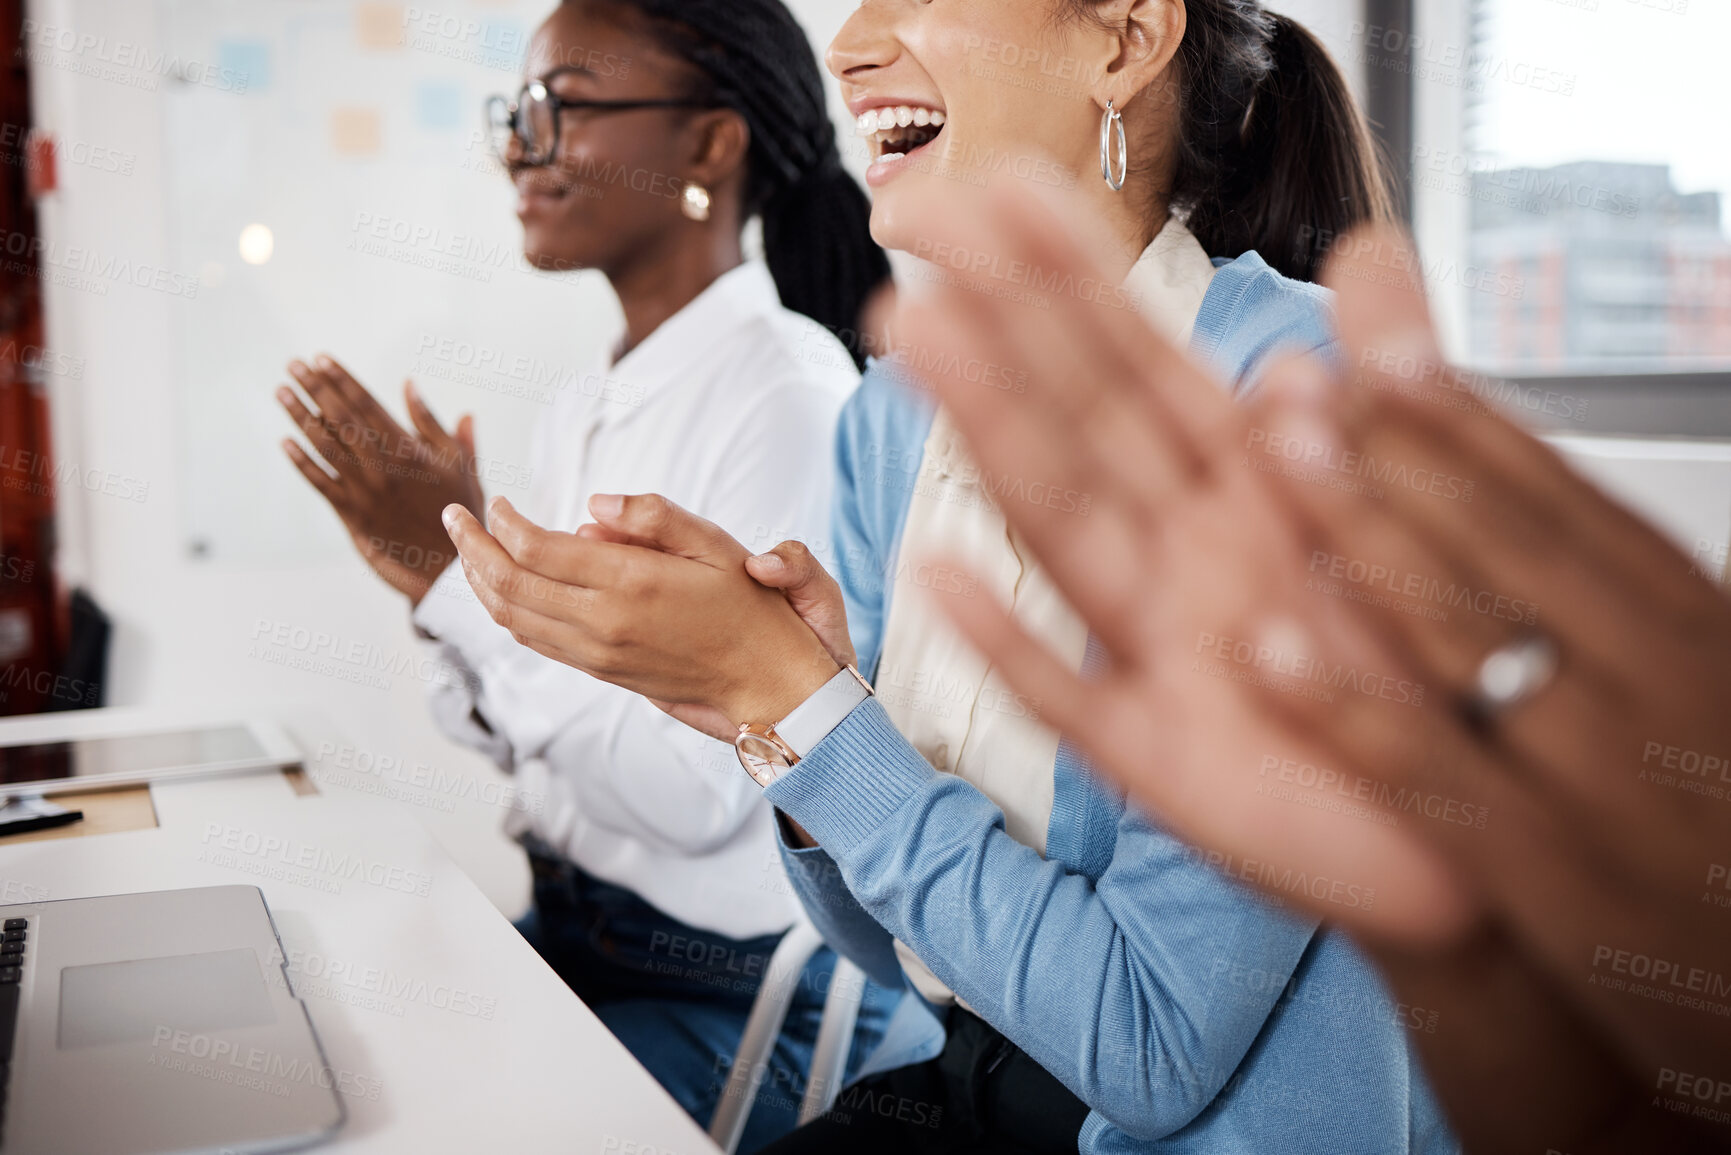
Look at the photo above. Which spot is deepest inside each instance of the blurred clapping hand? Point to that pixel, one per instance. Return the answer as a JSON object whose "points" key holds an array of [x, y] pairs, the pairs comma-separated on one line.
{"points": [[1480, 785], [389, 485]]}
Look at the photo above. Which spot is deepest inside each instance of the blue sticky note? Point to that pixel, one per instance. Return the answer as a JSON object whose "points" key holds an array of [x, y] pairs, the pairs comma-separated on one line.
{"points": [[248, 61], [439, 105]]}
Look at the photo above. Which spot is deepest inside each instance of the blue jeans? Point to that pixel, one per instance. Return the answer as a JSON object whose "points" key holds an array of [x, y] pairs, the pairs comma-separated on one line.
{"points": [[678, 997]]}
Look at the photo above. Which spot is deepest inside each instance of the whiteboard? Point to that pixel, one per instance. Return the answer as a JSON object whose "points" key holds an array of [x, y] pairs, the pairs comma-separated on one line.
{"points": [[352, 132]]}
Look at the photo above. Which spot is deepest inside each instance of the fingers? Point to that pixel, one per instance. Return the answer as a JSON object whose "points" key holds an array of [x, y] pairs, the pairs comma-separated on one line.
{"points": [[355, 397], [531, 605], [432, 432], [317, 429], [331, 488], [362, 425], [563, 557], [466, 438], [654, 522], [1084, 511], [1379, 295]]}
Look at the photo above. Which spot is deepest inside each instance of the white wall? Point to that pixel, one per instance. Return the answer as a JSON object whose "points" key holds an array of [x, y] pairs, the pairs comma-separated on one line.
{"points": [[186, 627]]}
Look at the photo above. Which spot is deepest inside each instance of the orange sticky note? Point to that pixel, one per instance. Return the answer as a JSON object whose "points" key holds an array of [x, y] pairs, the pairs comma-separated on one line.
{"points": [[356, 131], [379, 25]]}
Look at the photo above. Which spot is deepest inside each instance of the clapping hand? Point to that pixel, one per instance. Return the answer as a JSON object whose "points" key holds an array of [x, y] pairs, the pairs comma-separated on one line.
{"points": [[388, 485]]}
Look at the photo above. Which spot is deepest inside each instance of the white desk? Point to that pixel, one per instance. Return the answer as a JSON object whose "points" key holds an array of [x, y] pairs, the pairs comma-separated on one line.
{"points": [[416, 984]]}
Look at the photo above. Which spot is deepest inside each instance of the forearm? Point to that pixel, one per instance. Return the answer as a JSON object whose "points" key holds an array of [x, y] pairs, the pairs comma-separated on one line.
{"points": [[845, 925], [1038, 951]]}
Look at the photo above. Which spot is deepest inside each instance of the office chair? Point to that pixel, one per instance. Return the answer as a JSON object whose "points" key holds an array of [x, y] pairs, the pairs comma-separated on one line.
{"points": [[763, 1027]]}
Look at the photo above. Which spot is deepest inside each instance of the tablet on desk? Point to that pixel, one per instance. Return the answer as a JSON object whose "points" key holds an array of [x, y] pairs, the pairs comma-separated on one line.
{"points": [[77, 759]]}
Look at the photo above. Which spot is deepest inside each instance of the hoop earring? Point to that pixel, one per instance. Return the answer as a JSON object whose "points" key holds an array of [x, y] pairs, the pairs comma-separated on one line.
{"points": [[694, 202], [1112, 132]]}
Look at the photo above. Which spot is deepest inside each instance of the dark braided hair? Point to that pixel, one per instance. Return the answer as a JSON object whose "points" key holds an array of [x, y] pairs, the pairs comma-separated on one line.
{"points": [[756, 59], [1273, 155]]}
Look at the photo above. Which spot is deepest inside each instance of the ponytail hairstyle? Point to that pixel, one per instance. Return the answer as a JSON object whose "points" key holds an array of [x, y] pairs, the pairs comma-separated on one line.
{"points": [[755, 58], [1273, 155]]}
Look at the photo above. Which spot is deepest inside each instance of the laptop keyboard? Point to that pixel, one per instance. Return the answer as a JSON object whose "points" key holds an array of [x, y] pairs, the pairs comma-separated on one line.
{"points": [[13, 935]]}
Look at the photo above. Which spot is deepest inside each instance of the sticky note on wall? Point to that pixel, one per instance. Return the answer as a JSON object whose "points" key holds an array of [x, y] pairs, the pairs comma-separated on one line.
{"points": [[379, 26], [356, 131]]}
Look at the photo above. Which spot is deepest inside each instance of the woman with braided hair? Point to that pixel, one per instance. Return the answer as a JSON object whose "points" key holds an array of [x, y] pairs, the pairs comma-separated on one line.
{"points": [[648, 133]]}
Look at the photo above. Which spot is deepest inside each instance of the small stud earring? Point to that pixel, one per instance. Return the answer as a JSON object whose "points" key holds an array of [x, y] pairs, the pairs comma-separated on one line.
{"points": [[695, 202]]}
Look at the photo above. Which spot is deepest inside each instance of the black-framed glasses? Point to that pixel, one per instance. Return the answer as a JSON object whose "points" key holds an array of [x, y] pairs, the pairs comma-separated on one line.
{"points": [[533, 118]]}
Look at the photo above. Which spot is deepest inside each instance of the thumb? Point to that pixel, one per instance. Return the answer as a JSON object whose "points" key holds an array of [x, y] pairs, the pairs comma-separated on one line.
{"points": [[465, 436], [654, 522], [790, 568], [814, 595]]}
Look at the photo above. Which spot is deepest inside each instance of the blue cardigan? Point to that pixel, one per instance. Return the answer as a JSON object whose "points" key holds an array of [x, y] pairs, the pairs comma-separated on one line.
{"points": [[1188, 1013]]}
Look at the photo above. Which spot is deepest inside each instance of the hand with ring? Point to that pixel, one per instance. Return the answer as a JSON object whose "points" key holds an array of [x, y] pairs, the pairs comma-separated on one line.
{"points": [[1365, 629]]}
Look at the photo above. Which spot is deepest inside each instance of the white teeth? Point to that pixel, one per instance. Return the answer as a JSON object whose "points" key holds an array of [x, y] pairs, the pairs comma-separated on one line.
{"points": [[901, 116]]}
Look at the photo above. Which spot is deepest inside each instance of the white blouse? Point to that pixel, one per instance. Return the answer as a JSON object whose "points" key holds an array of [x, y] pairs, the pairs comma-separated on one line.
{"points": [[728, 408], [942, 694]]}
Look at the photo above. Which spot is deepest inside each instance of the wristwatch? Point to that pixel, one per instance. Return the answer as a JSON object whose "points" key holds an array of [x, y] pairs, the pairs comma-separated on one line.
{"points": [[769, 751]]}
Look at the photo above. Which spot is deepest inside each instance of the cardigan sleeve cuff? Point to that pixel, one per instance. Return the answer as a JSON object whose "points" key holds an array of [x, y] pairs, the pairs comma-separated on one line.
{"points": [[853, 780]]}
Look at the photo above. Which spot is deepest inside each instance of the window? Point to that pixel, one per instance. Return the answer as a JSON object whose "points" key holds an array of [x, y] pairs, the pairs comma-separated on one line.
{"points": [[1571, 191]]}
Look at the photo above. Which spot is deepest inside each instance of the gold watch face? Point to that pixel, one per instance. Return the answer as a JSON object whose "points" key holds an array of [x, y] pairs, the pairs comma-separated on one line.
{"points": [[762, 759]]}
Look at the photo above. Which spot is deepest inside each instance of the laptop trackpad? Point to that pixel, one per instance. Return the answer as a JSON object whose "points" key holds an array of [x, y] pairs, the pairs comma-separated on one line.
{"points": [[133, 1001]]}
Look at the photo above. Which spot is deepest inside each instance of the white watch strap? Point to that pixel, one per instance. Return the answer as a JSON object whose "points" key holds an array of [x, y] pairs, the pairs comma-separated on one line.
{"points": [[813, 719]]}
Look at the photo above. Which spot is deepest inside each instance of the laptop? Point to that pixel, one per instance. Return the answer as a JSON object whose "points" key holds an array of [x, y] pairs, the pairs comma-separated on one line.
{"points": [[155, 1023]]}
